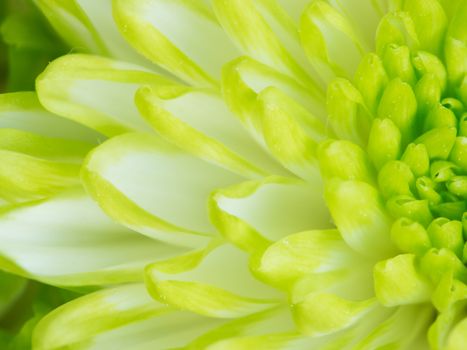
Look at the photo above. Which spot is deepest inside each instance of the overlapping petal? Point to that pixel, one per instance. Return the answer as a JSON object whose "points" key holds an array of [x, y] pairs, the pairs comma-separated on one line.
{"points": [[79, 87], [184, 182], [153, 187]]}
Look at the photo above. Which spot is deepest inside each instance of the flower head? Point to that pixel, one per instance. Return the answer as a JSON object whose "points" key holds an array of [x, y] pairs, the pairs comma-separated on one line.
{"points": [[246, 174]]}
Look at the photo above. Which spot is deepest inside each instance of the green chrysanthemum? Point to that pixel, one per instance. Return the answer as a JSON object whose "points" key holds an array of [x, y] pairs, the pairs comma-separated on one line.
{"points": [[299, 186]]}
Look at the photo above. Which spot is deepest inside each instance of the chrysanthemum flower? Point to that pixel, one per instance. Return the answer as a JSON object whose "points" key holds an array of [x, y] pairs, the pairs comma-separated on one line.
{"points": [[245, 174]]}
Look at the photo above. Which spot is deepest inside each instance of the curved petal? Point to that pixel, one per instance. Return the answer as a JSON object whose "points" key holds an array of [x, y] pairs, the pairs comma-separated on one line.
{"points": [[455, 46], [67, 240], [23, 111], [182, 36], [197, 121], [80, 87], [252, 213], [300, 254], [430, 23], [355, 10], [360, 216], [126, 317], [72, 23], [155, 188], [24, 177], [282, 120], [350, 282], [397, 282], [291, 132], [35, 162], [101, 17], [448, 291], [458, 337], [198, 283], [396, 28], [325, 34], [119, 318], [294, 7], [348, 116], [264, 34], [345, 160], [244, 78], [380, 327], [404, 329], [88, 26], [272, 328], [401, 328], [323, 313], [44, 147], [448, 331]]}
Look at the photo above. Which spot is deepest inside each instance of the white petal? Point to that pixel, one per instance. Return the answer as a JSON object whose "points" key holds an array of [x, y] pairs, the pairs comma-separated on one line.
{"points": [[22, 111], [181, 36], [100, 15], [355, 11], [119, 318], [198, 283], [273, 207], [96, 91], [155, 188], [67, 240], [265, 33], [197, 120]]}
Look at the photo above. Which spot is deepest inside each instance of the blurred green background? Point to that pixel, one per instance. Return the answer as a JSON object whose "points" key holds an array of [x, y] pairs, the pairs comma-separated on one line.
{"points": [[27, 45]]}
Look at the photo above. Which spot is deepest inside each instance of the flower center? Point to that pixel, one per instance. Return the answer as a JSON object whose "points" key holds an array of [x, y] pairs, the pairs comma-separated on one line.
{"points": [[429, 181], [423, 174]]}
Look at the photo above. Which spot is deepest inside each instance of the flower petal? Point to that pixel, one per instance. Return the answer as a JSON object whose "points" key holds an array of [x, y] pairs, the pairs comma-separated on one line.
{"points": [[67, 240], [181, 36], [152, 187], [119, 318], [198, 121], [197, 282], [458, 337], [371, 79], [397, 282], [22, 111], [455, 46], [448, 292], [360, 216], [348, 116], [430, 23], [251, 213], [325, 34], [294, 7], [448, 331], [47, 148], [280, 121], [79, 87], [244, 78], [270, 329], [291, 133], [89, 26], [355, 10], [72, 23], [35, 162], [258, 29], [323, 313], [396, 28], [299, 254], [24, 177], [404, 329], [344, 160]]}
